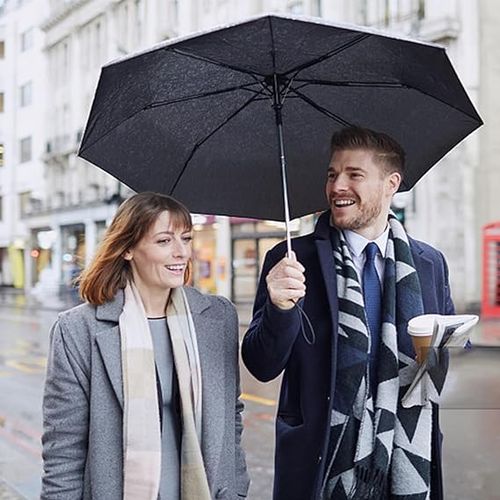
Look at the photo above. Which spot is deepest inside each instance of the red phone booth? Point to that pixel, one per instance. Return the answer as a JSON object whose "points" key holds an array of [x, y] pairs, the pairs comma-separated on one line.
{"points": [[490, 304]]}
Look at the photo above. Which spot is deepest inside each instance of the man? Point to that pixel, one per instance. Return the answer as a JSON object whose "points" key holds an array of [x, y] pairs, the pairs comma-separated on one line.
{"points": [[340, 429]]}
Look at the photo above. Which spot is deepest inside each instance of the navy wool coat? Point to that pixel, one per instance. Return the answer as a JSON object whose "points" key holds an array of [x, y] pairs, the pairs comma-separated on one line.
{"points": [[273, 344]]}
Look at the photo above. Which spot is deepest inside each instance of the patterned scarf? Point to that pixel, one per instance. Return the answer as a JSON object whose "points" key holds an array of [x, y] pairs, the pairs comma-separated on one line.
{"points": [[377, 448], [141, 423]]}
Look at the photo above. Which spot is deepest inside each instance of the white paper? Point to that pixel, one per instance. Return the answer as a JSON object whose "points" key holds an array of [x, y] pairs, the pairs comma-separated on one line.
{"points": [[449, 331]]}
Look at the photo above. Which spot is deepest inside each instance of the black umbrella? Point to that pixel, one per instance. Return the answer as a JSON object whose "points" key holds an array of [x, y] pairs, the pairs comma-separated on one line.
{"points": [[209, 118]]}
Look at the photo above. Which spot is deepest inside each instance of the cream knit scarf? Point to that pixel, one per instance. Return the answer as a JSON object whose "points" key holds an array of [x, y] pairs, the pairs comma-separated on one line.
{"points": [[141, 423]]}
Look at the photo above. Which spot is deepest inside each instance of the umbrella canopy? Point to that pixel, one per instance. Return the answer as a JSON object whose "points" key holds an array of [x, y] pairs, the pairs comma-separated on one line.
{"points": [[208, 117]]}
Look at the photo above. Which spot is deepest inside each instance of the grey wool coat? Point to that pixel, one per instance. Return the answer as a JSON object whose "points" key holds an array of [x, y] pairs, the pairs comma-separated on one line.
{"points": [[83, 402]]}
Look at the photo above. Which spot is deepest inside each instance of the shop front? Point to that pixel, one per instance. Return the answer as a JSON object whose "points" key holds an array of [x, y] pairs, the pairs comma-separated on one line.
{"points": [[41, 253], [73, 244], [250, 241]]}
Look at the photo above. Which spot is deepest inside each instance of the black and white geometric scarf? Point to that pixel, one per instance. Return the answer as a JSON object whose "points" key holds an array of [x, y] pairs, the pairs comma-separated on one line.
{"points": [[377, 448]]}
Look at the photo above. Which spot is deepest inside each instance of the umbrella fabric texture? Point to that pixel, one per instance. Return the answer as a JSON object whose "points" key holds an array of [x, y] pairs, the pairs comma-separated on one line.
{"points": [[206, 118]]}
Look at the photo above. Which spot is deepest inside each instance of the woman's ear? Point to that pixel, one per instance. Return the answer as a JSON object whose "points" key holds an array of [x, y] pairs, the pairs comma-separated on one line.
{"points": [[128, 255]]}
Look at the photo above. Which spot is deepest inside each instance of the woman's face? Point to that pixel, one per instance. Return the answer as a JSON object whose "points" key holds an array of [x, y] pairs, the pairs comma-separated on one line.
{"points": [[160, 258]]}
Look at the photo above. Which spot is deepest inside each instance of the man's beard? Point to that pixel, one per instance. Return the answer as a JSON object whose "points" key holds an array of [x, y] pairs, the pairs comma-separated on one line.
{"points": [[362, 219]]}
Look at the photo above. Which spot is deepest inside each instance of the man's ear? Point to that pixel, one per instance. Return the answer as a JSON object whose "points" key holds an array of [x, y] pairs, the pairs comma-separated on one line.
{"points": [[394, 181]]}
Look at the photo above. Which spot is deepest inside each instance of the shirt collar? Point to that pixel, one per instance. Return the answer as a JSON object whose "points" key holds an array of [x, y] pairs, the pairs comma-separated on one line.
{"points": [[357, 243]]}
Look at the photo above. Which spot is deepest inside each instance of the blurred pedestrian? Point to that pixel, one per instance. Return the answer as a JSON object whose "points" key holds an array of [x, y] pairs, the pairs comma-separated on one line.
{"points": [[341, 431], [142, 391]]}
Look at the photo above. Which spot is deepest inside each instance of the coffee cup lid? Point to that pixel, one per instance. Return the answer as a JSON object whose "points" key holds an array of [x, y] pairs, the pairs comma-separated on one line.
{"points": [[422, 325]]}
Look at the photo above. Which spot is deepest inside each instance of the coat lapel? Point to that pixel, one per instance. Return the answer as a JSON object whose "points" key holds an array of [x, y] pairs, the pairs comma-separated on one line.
{"points": [[109, 344], [425, 270], [327, 264], [211, 339]]}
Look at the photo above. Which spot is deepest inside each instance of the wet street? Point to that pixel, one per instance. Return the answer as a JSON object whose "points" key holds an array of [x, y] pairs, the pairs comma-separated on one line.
{"points": [[470, 413]]}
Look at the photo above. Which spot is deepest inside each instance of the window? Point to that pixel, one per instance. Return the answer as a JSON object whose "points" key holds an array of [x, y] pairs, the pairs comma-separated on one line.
{"points": [[1, 102], [24, 203], [25, 149], [27, 40], [295, 7], [2, 49], [421, 9], [25, 94], [1, 155], [65, 61]]}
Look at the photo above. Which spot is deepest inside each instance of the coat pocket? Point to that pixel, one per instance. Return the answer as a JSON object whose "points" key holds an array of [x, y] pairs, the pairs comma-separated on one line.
{"points": [[290, 419]]}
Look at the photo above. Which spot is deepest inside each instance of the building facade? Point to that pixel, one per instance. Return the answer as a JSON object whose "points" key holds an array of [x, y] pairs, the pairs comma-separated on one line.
{"points": [[70, 201], [22, 95]]}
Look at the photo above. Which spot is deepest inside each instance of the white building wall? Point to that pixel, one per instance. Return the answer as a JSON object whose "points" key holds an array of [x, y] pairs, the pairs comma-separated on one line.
{"points": [[446, 208], [21, 65]]}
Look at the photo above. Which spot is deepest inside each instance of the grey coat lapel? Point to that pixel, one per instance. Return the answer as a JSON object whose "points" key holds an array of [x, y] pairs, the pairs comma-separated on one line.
{"points": [[211, 338], [109, 344]]}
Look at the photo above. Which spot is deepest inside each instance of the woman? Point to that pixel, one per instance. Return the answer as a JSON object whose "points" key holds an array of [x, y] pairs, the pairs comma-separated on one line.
{"points": [[141, 397]]}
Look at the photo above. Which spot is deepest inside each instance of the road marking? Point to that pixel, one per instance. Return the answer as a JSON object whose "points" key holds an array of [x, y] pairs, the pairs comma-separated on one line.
{"points": [[257, 399], [19, 319], [21, 434], [29, 366]]}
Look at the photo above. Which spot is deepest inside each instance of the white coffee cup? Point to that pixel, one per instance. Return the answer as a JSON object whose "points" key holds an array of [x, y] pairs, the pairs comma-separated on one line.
{"points": [[421, 329]]}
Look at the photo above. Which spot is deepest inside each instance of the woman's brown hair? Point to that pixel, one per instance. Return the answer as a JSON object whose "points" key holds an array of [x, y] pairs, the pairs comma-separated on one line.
{"points": [[109, 271]]}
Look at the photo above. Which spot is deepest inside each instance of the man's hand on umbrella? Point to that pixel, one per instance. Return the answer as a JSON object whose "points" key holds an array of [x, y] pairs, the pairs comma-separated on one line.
{"points": [[286, 282]]}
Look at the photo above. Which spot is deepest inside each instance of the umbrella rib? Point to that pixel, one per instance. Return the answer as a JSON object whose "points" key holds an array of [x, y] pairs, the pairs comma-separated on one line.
{"points": [[202, 95], [328, 55], [389, 85], [174, 101], [273, 49], [321, 109], [351, 84], [200, 143], [253, 74]]}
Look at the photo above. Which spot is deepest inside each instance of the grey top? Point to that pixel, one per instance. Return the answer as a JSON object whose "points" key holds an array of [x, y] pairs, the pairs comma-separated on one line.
{"points": [[170, 448]]}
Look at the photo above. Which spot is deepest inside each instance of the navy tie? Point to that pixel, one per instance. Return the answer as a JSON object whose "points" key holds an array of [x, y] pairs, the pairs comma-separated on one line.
{"points": [[372, 293]]}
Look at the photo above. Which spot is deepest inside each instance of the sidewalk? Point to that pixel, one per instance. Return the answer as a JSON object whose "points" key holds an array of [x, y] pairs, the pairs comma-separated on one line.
{"points": [[8, 493], [52, 300]]}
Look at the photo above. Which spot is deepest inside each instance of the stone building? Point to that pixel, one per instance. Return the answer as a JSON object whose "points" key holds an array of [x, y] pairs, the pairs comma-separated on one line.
{"points": [[70, 201]]}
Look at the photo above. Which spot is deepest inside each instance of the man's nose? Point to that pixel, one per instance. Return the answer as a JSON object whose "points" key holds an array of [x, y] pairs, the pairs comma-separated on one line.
{"points": [[338, 184]]}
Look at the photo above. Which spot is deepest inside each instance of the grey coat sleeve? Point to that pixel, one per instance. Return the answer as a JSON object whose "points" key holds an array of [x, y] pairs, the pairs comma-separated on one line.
{"points": [[65, 419]]}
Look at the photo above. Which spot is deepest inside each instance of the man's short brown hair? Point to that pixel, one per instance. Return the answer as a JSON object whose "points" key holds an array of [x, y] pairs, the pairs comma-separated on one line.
{"points": [[387, 151]]}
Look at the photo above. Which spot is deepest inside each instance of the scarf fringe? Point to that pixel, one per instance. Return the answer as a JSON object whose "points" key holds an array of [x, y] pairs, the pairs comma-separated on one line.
{"points": [[368, 484]]}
